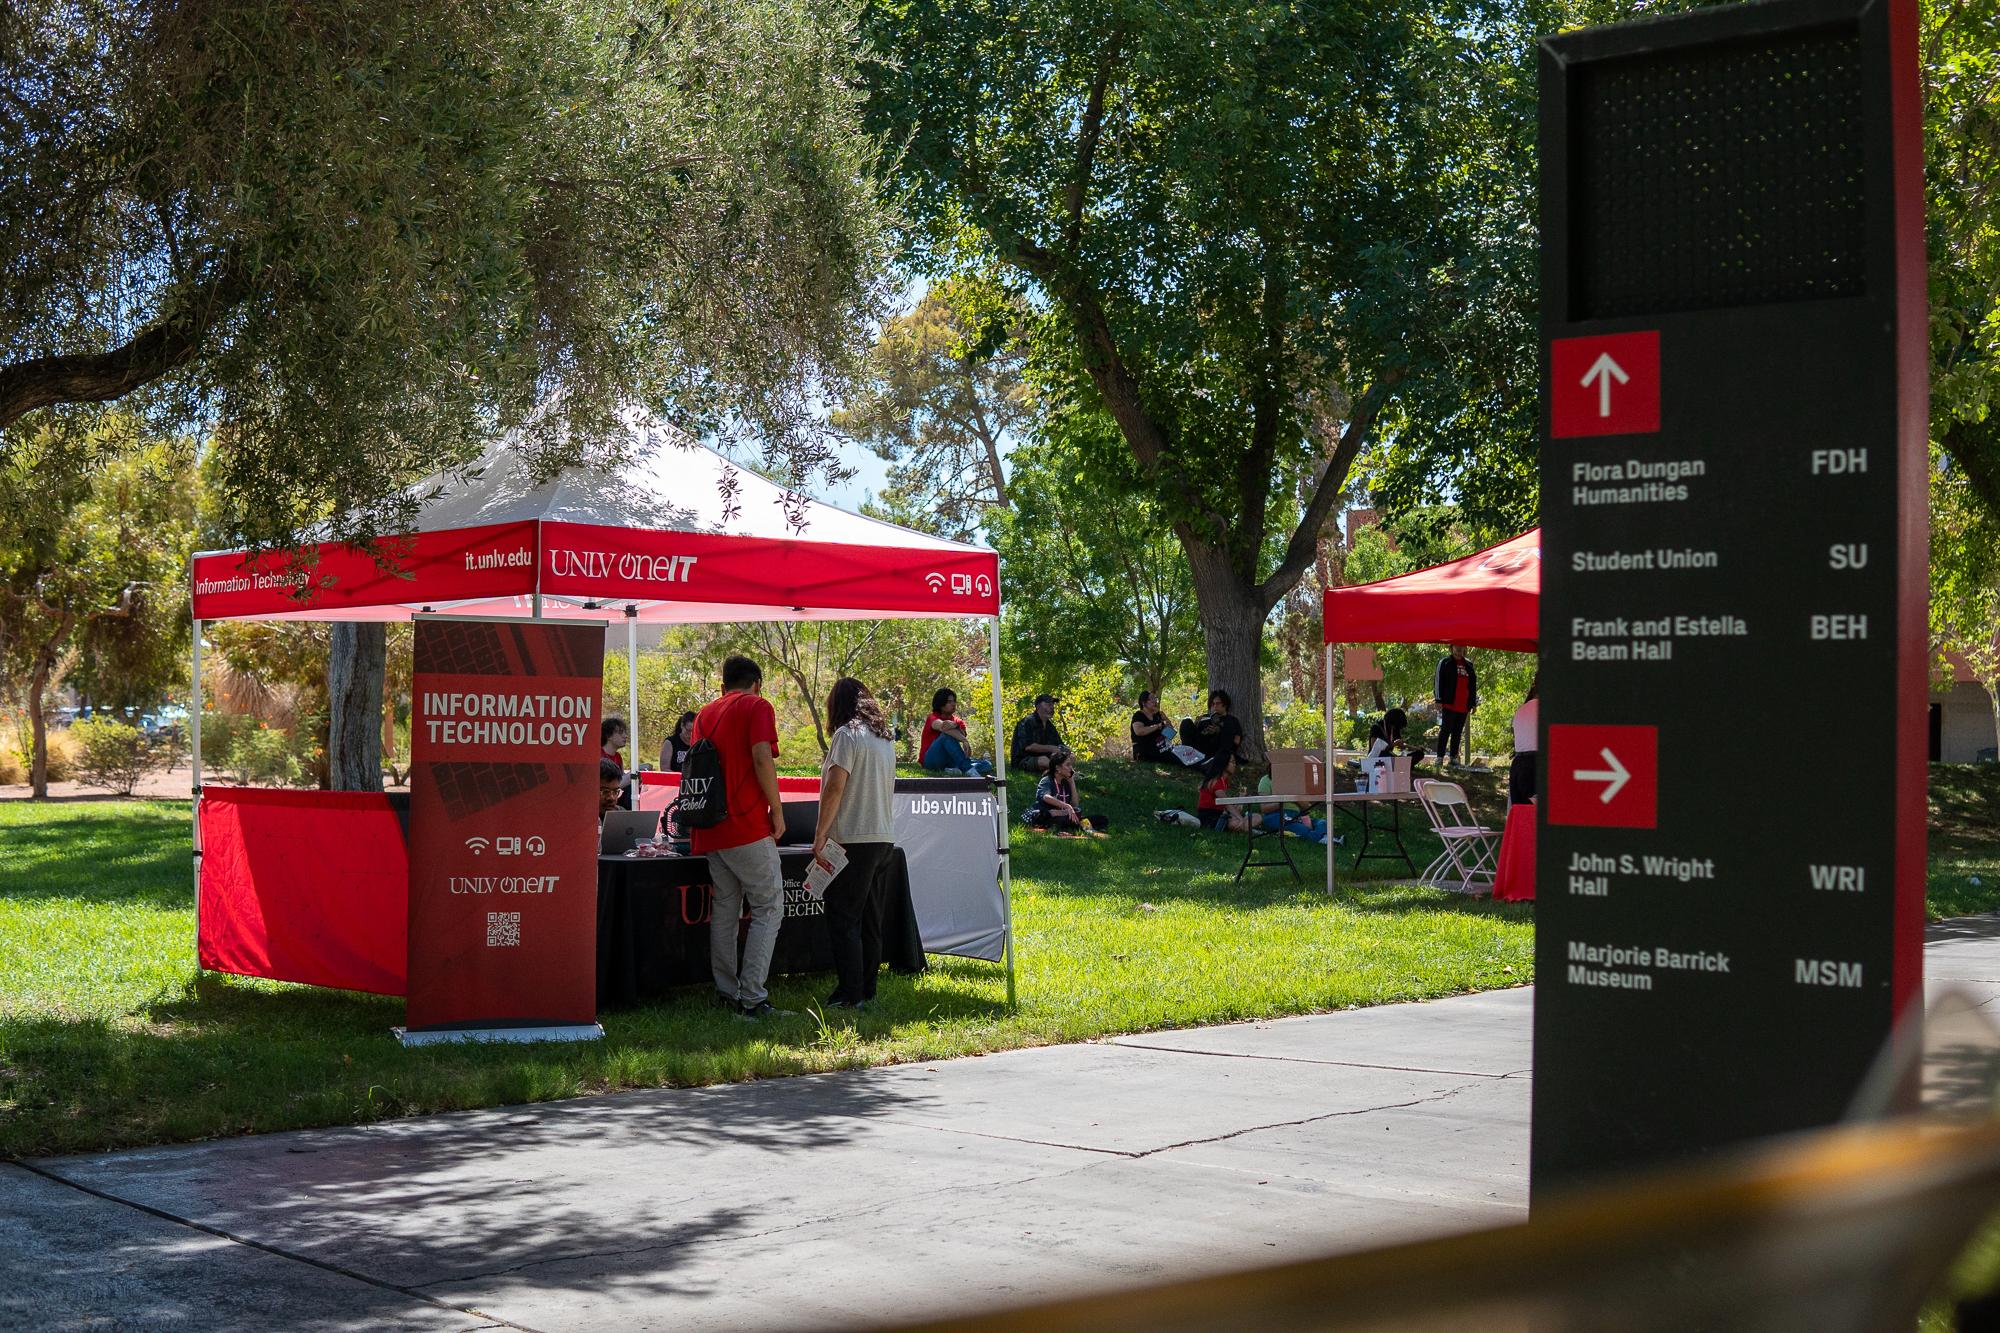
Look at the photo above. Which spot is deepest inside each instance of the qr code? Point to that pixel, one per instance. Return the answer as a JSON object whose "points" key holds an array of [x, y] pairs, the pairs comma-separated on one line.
{"points": [[503, 930]]}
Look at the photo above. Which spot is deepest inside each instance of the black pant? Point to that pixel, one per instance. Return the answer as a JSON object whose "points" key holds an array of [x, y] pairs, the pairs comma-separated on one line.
{"points": [[854, 903], [1521, 778], [1451, 734]]}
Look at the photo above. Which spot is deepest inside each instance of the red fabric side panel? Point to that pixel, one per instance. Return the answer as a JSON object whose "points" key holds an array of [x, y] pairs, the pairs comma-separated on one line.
{"points": [[656, 789], [582, 559], [1490, 599], [1913, 519], [306, 886], [1514, 877], [428, 567]]}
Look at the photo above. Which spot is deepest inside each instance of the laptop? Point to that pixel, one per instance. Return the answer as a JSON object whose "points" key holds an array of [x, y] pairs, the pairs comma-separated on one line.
{"points": [[623, 829]]}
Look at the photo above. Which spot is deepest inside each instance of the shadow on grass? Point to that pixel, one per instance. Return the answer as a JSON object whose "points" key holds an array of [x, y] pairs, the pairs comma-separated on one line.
{"points": [[225, 1055], [123, 855]]}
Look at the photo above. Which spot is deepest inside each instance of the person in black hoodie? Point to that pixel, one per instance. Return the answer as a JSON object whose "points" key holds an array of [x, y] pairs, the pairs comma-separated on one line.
{"points": [[1457, 696], [1216, 734]]}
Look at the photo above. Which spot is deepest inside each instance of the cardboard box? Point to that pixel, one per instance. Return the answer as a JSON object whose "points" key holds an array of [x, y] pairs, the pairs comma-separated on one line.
{"points": [[1298, 772]]}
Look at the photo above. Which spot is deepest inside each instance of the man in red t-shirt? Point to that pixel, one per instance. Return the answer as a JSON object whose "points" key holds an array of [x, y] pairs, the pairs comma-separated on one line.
{"points": [[1457, 696], [742, 850]]}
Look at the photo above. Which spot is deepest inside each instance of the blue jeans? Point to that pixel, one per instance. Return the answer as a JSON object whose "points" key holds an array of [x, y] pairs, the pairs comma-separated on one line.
{"points": [[946, 754], [1303, 827]]}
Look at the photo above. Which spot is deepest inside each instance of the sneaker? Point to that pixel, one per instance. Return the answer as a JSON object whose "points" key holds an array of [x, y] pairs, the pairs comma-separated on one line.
{"points": [[847, 1004], [726, 1002], [762, 1009]]}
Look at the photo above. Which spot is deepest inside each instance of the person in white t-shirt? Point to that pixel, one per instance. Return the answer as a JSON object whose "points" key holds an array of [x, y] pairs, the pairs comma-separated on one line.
{"points": [[857, 797], [1521, 775]]}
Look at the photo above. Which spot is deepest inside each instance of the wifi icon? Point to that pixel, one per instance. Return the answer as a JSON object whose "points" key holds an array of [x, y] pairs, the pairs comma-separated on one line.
{"points": [[936, 580], [477, 845]]}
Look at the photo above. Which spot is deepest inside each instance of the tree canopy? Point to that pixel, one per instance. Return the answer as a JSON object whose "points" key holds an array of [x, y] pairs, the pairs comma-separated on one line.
{"points": [[355, 239], [1255, 226], [95, 535], [1961, 52], [940, 400]]}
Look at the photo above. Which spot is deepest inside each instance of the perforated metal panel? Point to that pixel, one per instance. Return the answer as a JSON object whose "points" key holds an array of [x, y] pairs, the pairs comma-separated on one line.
{"points": [[1722, 176]]}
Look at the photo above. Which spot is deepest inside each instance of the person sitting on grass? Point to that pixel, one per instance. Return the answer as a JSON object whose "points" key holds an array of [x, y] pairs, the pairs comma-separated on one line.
{"points": [[1036, 739], [1151, 732], [1056, 805], [1207, 813], [1215, 734], [944, 747], [1299, 824]]}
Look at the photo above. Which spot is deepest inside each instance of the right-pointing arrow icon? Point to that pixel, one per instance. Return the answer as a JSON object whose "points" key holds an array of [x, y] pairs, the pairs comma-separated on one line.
{"points": [[1613, 775], [1602, 371]]}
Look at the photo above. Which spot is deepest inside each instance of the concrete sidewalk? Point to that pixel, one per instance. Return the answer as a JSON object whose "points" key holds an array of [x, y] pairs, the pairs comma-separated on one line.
{"points": [[862, 1197]]}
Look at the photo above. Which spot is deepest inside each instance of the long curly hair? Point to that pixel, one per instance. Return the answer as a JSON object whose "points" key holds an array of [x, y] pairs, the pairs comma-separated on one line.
{"points": [[849, 701]]}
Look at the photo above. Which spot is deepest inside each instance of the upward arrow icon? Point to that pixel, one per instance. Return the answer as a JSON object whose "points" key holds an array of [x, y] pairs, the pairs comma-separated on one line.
{"points": [[1602, 371]]}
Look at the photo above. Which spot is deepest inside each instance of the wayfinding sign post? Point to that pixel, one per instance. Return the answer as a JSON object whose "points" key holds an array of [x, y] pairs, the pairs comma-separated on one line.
{"points": [[1731, 856]]}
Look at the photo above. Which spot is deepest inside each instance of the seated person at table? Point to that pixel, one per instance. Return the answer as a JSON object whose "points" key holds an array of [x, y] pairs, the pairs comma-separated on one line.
{"points": [[1056, 805], [1215, 734], [1035, 737], [610, 786], [1386, 737], [944, 748], [674, 749], [612, 736], [1151, 732], [1300, 824]]}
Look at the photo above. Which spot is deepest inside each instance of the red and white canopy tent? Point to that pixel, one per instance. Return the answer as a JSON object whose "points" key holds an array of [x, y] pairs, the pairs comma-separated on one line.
{"points": [[1489, 599], [675, 535]]}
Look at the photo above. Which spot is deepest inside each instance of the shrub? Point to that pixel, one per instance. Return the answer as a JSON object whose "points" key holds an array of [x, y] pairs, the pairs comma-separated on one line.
{"points": [[248, 752], [1301, 726], [263, 756], [111, 755], [171, 744], [17, 761], [1091, 718]]}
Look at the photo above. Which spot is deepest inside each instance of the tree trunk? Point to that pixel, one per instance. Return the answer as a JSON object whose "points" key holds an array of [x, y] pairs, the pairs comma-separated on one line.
{"points": [[1992, 685], [38, 730], [357, 658], [1232, 620]]}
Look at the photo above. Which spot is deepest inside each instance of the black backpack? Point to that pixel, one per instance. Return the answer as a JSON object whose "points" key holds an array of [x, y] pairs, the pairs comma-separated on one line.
{"points": [[704, 798]]}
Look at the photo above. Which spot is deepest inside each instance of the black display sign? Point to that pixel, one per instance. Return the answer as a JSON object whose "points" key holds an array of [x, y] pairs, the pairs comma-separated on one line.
{"points": [[1733, 677]]}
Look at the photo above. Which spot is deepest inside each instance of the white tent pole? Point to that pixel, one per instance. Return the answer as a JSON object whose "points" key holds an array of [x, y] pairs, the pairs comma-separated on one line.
{"points": [[1000, 801], [194, 752], [632, 693], [1326, 769]]}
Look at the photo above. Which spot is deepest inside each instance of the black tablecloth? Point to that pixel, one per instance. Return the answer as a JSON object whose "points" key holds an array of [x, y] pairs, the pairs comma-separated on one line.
{"points": [[652, 925]]}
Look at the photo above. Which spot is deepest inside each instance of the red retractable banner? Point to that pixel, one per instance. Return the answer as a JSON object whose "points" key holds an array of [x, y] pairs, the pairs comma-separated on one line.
{"points": [[503, 823]]}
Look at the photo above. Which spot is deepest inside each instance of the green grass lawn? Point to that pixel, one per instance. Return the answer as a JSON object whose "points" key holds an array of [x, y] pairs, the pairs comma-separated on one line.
{"points": [[108, 1038]]}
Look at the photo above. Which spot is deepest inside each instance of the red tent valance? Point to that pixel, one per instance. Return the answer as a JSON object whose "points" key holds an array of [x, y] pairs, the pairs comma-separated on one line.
{"points": [[1489, 599]]}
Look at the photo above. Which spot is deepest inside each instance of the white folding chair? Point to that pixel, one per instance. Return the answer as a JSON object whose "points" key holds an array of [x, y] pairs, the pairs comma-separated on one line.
{"points": [[1471, 852]]}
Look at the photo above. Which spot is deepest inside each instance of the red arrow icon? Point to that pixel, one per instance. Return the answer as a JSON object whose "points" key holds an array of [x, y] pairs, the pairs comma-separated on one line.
{"points": [[1604, 777], [1606, 385]]}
